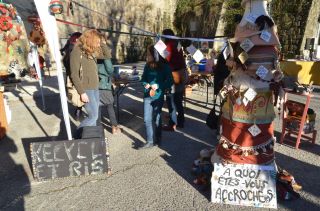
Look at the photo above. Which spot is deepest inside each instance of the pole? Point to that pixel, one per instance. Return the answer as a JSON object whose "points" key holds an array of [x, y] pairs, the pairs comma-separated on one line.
{"points": [[51, 32]]}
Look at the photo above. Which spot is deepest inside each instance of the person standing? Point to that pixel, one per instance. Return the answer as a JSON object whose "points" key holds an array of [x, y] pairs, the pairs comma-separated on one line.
{"points": [[105, 71], [84, 73], [66, 51], [156, 80], [178, 67]]}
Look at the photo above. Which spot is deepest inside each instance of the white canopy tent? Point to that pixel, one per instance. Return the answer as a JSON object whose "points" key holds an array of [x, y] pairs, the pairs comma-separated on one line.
{"points": [[51, 32]]}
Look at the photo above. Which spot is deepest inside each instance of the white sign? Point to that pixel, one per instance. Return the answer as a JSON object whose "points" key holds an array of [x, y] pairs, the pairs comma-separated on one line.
{"points": [[250, 94], [179, 46], [262, 72], [245, 101], [254, 130], [226, 52], [251, 18], [246, 44], [160, 47], [191, 49], [265, 35], [198, 56], [244, 184]]}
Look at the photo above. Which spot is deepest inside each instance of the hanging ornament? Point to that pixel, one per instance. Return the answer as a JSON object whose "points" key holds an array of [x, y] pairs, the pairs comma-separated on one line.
{"points": [[5, 23], [34, 19], [37, 35], [56, 7]]}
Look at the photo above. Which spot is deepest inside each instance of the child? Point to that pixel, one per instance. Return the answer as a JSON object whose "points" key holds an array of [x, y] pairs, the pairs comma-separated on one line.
{"points": [[156, 79]]}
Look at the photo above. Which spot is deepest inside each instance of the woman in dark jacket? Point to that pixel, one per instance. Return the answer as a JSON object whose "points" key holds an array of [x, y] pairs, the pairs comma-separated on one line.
{"points": [[105, 70], [156, 79], [84, 73]]}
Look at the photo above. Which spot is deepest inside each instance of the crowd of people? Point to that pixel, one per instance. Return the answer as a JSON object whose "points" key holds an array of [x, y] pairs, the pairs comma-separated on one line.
{"points": [[87, 60]]}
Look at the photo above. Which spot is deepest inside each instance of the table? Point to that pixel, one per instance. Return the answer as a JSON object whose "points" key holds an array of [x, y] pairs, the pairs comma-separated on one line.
{"points": [[304, 71], [302, 120], [120, 85], [208, 78]]}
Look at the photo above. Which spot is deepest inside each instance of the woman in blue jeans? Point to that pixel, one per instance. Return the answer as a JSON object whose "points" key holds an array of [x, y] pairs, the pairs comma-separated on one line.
{"points": [[156, 79], [84, 74]]}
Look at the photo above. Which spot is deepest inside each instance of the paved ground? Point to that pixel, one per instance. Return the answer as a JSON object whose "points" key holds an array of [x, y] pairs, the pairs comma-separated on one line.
{"points": [[156, 179]]}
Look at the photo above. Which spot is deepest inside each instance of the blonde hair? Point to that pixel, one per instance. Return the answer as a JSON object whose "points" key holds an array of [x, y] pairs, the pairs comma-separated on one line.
{"points": [[90, 41]]}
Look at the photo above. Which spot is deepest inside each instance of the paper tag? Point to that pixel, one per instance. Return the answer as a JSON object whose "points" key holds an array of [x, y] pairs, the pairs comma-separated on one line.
{"points": [[246, 45], [254, 130], [245, 101], [164, 54], [226, 52], [262, 72], [251, 18], [179, 47], [243, 57], [160, 47], [250, 94], [239, 101], [198, 56], [191, 49], [265, 35]]}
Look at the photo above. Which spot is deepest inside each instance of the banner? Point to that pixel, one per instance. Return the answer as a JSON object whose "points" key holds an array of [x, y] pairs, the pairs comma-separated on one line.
{"points": [[244, 185]]}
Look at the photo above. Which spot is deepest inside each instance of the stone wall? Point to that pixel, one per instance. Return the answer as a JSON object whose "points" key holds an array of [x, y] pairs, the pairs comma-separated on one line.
{"points": [[312, 26]]}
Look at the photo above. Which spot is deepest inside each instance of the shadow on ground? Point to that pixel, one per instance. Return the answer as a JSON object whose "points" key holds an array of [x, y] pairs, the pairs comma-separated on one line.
{"points": [[306, 175], [14, 183], [305, 145], [181, 147]]}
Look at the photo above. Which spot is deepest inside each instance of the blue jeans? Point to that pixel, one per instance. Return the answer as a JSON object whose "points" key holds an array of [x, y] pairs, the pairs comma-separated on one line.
{"points": [[92, 108], [152, 118]]}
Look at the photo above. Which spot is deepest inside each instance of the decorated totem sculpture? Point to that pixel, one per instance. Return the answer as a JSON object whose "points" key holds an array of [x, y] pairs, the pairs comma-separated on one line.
{"points": [[251, 90], [13, 42]]}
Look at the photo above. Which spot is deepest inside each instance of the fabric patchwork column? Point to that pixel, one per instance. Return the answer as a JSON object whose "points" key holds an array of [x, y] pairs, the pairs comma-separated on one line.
{"points": [[247, 135]]}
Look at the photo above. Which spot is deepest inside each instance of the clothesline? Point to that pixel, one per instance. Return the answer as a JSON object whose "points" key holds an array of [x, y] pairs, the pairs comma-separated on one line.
{"points": [[217, 39]]}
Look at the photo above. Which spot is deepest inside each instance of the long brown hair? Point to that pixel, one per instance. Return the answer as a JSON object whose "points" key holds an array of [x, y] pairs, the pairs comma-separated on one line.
{"points": [[90, 42], [155, 64]]}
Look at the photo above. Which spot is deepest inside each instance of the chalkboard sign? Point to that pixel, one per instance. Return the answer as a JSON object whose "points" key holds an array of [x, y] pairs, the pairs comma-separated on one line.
{"points": [[56, 159], [245, 185]]}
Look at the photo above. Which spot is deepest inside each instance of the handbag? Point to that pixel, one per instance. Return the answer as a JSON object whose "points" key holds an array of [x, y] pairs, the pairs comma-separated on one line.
{"points": [[72, 93], [213, 119]]}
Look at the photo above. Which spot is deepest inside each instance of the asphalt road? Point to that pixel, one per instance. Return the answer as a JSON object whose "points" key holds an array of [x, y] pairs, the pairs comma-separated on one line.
{"points": [[154, 179]]}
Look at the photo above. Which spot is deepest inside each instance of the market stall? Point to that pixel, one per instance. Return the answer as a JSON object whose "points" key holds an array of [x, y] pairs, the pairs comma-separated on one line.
{"points": [[305, 72]]}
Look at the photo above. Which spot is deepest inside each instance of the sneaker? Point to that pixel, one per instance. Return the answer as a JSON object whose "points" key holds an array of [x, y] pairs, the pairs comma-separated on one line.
{"points": [[147, 146]]}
